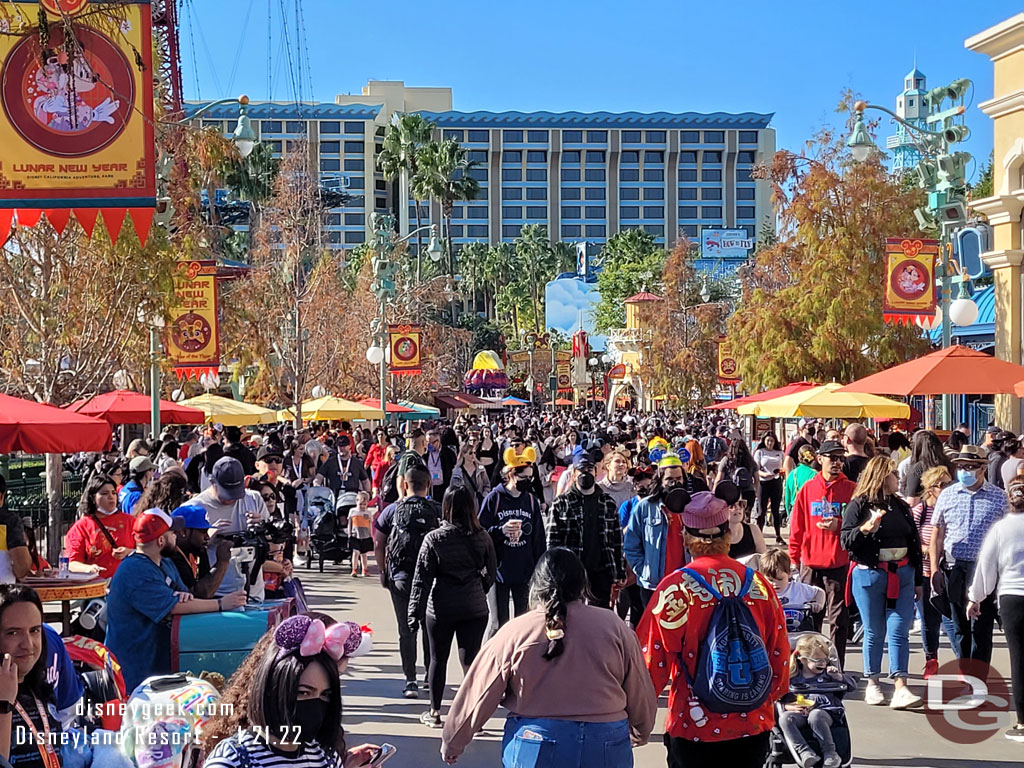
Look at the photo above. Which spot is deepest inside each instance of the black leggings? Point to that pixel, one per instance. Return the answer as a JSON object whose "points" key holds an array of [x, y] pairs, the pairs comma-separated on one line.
{"points": [[771, 496], [469, 634], [1011, 611]]}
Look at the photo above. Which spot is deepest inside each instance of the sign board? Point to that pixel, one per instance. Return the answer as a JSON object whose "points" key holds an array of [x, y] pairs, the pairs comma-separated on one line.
{"points": [[564, 376], [728, 367], [725, 244], [192, 338], [910, 290], [405, 342]]}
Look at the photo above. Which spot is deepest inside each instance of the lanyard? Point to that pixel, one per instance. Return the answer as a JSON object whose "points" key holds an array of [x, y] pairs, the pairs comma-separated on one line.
{"points": [[193, 563], [46, 750]]}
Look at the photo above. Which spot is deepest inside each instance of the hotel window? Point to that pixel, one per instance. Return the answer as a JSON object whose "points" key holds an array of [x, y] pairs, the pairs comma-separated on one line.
{"points": [[654, 156], [624, 227], [631, 137], [354, 164], [354, 147], [334, 219], [356, 182], [512, 137], [536, 174], [687, 193], [655, 137], [595, 211], [380, 185], [476, 230], [658, 230], [594, 193], [512, 193], [511, 212], [573, 156], [478, 137], [570, 174], [353, 219], [480, 174], [355, 128], [748, 137], [746, 156], [512, 156], [330, 165], [571, 193], [654, 193], [476, 212], [690, 230], [688, 212], [511, 174], [481, 194], [745, 212], [629, 193], [654, 174], [629, 174], [536, 137], [572, 137], [744, 193], [452, 134], [629, 212], [597, 137], [536, 212], [711, 212], [294, 126], [711, 193], [571, 230], [687, 174], [570, 212], [330, 147], [595, 155], [270, 126], [710, 174], [595, 174], [275, 146], [654, 212], [511, 230], [537, 156], [457, 212], [743, 174], [712, 157], [714, 137], [331, 127], [631, 156], [536, 193], [595, 230], [691, 137], [455, 230], [477, 156], [356, 236], [687, 157]]}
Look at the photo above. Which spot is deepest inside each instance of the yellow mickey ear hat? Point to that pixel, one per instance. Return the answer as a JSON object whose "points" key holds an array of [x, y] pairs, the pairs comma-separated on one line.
{"points": [[524, 459]]}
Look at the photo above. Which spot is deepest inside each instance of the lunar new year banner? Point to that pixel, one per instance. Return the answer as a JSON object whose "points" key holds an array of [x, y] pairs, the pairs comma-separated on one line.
{"points": [[405, 342], [192, 339], [76, 125], [909, 279], [728, 368]]}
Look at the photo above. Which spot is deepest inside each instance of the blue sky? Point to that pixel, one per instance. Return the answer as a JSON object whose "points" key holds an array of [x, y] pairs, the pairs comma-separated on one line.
{"points": [[790, 58]]}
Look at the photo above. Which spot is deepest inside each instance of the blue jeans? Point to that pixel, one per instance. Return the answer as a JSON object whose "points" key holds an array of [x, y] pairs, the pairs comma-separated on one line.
{"points": [[869, 587], [542, 743]]}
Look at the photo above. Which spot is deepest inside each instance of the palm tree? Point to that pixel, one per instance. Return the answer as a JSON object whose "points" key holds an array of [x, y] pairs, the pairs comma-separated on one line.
{"points": [[443, 175], [404, 142], [534, 252], [472, 258], [252, 180], [496, 272]]}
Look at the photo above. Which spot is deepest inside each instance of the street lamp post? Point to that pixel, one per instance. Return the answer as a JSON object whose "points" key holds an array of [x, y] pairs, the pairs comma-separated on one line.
{"points": [[243, 136], [384, 273], [942, 174]]}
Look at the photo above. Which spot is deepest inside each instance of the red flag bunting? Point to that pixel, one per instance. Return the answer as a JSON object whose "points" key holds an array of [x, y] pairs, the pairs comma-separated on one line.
{"points": [[113, 218], [143, 220], [6, 222], [87, 219], [28, 217], [58, 218]]}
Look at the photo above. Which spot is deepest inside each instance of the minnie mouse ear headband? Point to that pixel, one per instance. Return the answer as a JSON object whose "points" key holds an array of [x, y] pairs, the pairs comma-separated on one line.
{"points": [[306, 636], [516, 460], [641, 472]]}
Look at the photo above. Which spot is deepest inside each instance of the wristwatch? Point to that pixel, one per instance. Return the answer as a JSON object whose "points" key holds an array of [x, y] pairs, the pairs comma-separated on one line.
{"points": [[5, 707]]}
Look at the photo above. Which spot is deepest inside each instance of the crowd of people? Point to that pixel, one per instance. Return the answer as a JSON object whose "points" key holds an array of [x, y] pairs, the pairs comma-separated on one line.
{"points": [[580, 564]]}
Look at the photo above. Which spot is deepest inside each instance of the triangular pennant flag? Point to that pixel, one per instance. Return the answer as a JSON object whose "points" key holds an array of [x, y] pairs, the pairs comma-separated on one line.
{"points": [[6, 222], [28, 217], [143, 220], [58, 218], [113, 218], [87, 219]]}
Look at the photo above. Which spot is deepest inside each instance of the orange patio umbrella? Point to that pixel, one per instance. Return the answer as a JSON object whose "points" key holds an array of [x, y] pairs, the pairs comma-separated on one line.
{"points": [[956, 370]]}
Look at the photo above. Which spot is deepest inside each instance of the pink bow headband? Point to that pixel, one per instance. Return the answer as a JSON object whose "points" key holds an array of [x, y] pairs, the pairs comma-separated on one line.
{"points": [[308, 637]]}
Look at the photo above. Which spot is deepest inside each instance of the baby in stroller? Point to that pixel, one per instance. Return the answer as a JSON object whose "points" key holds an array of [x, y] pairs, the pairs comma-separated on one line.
{"points": [[813, 708], [802, 603]]}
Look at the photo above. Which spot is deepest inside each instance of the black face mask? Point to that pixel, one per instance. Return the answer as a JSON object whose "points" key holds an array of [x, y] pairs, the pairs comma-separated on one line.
{"points": [[523, 485], [585, 481], [309, 718], [641, 491], [676, 500]]}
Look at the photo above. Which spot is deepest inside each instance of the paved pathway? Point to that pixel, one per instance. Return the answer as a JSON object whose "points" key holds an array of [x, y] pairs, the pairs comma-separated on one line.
{"points": [[375, 710]]}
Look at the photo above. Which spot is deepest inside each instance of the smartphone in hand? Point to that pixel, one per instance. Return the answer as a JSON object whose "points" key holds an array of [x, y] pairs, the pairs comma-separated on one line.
{"points": [[384, 752]]}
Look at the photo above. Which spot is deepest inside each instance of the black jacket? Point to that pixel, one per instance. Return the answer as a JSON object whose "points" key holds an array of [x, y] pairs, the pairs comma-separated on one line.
{"points": [[863, 547], [454, 570]]}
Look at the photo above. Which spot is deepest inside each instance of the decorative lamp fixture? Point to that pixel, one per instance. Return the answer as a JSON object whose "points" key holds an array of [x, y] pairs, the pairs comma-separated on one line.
{"points": [[434, 249], [860, 142], [374, 355], [318, 392], [243, 135], [963, 311]]}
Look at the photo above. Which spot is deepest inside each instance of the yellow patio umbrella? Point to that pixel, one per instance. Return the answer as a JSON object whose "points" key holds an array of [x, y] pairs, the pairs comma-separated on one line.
{"points": [[825, 402], [329, 408], [231, 413]]}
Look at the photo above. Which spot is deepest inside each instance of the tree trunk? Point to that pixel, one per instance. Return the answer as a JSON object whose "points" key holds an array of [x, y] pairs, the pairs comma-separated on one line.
{"points": [[55, 503], [419, 244]]}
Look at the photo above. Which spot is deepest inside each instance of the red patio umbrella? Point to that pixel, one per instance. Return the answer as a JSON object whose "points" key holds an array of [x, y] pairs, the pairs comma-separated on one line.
{"points": [[956, 370], [124, 407], [771, 394], [33, 427], [374, 402]]}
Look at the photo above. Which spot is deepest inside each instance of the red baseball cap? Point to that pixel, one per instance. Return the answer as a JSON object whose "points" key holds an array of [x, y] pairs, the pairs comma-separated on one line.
{"points": [[154, 523]]}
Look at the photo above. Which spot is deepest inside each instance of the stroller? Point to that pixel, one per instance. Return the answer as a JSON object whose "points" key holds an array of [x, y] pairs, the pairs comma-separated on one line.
{"points": [[328, 539], [780, 752]]}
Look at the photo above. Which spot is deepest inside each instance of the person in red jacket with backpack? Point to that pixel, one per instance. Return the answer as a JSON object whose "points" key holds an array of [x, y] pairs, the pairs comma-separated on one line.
{"points": [[814, 545], [720, 708]]}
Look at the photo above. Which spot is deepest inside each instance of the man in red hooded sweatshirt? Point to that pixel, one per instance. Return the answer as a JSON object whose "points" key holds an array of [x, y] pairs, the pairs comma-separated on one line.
{"points": [[814, 545]]}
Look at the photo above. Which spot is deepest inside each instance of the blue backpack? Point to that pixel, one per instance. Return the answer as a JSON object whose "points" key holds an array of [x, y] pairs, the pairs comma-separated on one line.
{"points": [[733, 673]]}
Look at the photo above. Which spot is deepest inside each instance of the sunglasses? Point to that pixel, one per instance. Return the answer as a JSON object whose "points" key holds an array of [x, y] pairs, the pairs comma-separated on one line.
{"points": [[273, 460], [268, 497]]}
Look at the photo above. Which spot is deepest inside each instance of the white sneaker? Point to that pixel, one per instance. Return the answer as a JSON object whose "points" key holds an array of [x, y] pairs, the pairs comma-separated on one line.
{"points": [[832, 760], [873, 694], [904, 698]]}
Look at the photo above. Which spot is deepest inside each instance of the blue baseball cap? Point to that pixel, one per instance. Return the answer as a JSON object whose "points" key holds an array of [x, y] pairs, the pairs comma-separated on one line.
{"points": [[194, 516], [228, 478]]}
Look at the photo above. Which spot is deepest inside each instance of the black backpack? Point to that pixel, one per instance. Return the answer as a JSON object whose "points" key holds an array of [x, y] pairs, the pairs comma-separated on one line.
{"points": [[743, 478], [414, 518], [389, 483]]}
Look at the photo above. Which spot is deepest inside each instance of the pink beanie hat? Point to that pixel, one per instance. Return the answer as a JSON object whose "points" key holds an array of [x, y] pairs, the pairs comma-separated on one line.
{"points": [[705, 512]]}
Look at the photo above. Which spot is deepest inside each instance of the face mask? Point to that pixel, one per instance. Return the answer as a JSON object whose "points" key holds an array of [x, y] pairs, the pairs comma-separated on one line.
{"points": [[585, 482], [105, 512], [676, 500], [966, 476], [641, 491], [523, 485], [309, 717], [431, 449]]}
